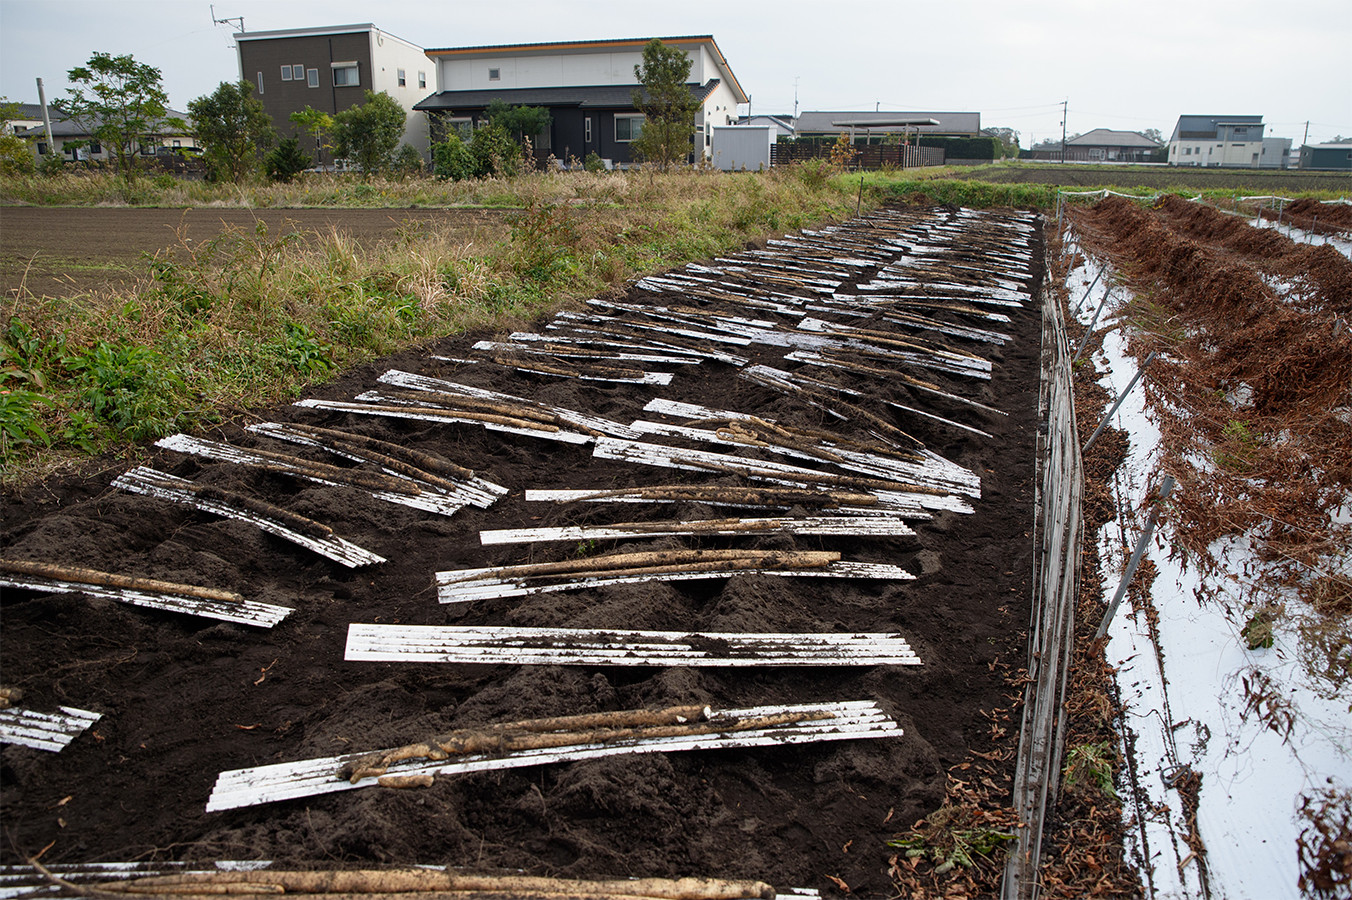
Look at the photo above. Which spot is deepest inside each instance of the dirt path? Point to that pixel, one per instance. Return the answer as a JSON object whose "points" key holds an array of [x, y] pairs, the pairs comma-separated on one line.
{"points": [[64, 251], [184, 699]]}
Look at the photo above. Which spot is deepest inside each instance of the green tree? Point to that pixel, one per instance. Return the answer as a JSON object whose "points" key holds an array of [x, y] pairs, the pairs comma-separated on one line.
{"points": [[16, 154], [316, 123], [233, 129], [287, 160], [494, 152], [370, 133], [667, 106], [521, 122], [1008, 138], [452, 159], [121, 103]]}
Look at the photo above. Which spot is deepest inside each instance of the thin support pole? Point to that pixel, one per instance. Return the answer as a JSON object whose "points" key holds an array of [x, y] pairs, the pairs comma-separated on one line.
{"points": [[1103, 268], [1166, 488], [1089, 332], [1120, 397]]}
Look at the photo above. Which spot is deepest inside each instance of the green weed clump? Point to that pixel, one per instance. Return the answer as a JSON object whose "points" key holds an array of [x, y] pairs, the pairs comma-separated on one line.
{"points": [[252, 316]]}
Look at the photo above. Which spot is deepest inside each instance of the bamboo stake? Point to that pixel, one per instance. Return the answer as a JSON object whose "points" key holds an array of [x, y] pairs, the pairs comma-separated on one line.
{"points": [[109, 579]]}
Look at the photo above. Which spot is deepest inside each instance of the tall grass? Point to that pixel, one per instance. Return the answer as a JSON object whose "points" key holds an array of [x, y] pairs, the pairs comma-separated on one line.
{"points": [[250, 317]]}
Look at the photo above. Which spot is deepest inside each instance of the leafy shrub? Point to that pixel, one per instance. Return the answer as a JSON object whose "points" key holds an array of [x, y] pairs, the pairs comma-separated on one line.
{"points": [[16, 156], [303, 352], [594, 163], [287, 160], [452, 159], [131, 388], [408, 162], [495, 153]]}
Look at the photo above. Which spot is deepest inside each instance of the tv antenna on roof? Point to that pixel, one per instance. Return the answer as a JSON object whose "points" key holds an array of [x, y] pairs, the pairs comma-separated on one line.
{"points": [[227, 20]]}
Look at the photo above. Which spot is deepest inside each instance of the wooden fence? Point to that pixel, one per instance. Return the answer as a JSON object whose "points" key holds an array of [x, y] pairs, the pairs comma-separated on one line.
{"points": [[866, 156], [1056, 581]]}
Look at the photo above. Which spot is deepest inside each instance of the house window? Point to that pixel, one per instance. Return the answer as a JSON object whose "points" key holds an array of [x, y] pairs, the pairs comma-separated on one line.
{"points": [[403, 78], [42, 148], [312, 77], [586, 130], [178, 143], [286, 72], [95, 148], [260, 82], [298, 73], [422, 79], [494, 74], [147, 149], [345, 74], [628, 128], [462, 127]]}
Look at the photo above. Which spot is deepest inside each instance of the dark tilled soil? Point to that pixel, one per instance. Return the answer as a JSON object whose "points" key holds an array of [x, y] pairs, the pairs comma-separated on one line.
{"points": [[62, 251], [184, 699]]}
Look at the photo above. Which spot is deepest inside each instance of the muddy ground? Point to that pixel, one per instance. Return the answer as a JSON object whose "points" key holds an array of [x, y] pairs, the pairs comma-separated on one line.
{"points": [[61, 252], [184, 699]]}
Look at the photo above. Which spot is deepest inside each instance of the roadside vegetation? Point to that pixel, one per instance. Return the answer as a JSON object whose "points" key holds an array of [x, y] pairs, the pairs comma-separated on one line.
{"points": [[248, 318]]}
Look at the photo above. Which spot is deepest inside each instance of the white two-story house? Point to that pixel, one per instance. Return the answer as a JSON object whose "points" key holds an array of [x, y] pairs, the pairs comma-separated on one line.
{"points": [[587, 86], [1217, 141]]}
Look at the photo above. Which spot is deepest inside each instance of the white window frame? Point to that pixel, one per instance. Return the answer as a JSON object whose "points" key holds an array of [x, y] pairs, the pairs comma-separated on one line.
{"points": [[401, 76], [629, 119], [586, 130], [462, 127], [260, 82], [495, 74], [348, 66], [298, 72], [286, 72], [312, 77], [422, 79]]}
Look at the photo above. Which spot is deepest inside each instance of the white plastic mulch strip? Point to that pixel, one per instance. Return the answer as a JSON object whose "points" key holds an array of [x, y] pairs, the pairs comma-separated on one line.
{"points": [[426, 498], [897, 502], [163, 486], [392, 408], [470, 585], [636, 495], [27, 881], [245, 612], [474, 491], [930, 468], [307, 778], [415, 382], [1185, 705], [507, 645], [848, 526], [44, 731]]}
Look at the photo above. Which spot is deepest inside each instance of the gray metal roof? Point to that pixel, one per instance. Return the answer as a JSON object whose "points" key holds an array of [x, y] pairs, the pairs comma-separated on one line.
{"points": [[1107, 137], [609, 96], [68, 128], [819, 121], [1204, 127]]}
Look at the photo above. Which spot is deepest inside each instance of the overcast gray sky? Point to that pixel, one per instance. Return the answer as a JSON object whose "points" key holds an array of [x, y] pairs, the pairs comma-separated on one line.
{"points": [[1131, 64]]}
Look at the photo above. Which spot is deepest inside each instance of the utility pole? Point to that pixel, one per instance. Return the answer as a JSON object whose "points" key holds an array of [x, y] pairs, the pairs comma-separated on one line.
{"points": [[1300, 163], [230, 20], [1063, 129], [795, 98], [46, 118]]}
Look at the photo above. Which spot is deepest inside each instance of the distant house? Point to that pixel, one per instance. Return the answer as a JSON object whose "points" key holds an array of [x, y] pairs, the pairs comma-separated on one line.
{"points": [[587, 87], [826, 124], [24, 116], [1107, 145], [780, 126], [1217, 141], [1327, 157], [331, 69], [1276, 153], [75, 139]]}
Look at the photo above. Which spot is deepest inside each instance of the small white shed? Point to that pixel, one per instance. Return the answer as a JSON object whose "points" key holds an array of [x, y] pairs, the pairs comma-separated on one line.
{"points": [[738, 147]]}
